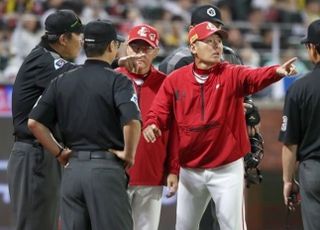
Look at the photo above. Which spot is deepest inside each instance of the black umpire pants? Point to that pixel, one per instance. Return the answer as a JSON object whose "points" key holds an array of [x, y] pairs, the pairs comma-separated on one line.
{"points": [[309, 178], [34, 177], [94, 193]]}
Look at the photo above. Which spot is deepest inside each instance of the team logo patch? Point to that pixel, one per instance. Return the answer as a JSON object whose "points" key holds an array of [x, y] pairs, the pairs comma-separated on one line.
{"points": [[152, 36], [180, 95], [143, 31], [284, 123], [211, 12], [58, 63], [134, 99]]}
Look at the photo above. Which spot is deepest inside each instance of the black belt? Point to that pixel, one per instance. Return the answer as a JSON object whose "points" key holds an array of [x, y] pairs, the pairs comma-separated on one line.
{"points": [[93, 155], [30, 141]]}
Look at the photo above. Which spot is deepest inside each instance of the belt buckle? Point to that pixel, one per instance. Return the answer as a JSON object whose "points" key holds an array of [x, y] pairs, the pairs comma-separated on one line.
{"points": [[84, 155]]}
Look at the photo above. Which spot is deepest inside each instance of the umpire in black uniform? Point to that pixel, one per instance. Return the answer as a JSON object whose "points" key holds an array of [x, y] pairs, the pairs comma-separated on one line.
{"points": [[96, 109], [34, 175], [300, 135]]}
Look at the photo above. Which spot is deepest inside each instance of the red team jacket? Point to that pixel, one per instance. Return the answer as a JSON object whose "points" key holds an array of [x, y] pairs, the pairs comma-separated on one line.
{"points": [[210, 116], [152, 163]]}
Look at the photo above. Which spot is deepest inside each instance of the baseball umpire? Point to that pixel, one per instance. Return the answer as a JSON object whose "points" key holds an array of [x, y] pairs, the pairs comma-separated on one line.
{"points": [[33, 174], [300, 135], [96, 109]]}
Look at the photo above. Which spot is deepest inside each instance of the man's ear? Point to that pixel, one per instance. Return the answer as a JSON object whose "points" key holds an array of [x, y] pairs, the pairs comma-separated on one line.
{"points": [[63, 39], [112, 45], [155, 52], [192, 48], [313, 51]]}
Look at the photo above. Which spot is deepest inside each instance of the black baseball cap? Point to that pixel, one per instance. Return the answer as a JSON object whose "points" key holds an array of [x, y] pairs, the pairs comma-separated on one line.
{"points": [[313, 34], [101, 31], [205, 13], [63, 21]]}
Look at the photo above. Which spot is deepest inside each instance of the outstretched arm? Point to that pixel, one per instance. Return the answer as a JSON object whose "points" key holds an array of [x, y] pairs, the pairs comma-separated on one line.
{"points": [[288, 68], [129, 62], [251, 80]]}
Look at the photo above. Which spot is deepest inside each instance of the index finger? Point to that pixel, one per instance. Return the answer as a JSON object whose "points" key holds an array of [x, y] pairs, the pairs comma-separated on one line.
{"points": [[289, 62], [140, 55], [148, 136]]}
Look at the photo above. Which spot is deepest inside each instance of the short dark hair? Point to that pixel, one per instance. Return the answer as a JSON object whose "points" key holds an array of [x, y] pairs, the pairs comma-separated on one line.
{"points": [[316, 46], [95, 49], [53, 38]]}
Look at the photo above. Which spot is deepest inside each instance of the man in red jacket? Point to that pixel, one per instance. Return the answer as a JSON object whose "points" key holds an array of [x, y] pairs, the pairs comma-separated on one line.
{"points": [[206, 100], [152, 161]]}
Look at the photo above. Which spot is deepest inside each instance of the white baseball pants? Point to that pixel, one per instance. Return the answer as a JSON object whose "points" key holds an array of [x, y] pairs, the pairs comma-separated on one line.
{"points": [[223, 184], [146, 206]]}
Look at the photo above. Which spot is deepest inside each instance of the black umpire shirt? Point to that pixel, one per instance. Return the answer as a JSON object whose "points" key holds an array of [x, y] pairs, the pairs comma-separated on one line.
{"points": [[300, 121], [41, 66], [91, 104]]}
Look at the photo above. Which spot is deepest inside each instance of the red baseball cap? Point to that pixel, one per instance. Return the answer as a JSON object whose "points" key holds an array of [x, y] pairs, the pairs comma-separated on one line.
{"points": [[204, 30], [146, 33]]}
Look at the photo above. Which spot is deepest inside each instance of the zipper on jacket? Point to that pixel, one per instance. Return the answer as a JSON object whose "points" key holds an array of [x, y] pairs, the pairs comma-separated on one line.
{"points": [[202, 101]]}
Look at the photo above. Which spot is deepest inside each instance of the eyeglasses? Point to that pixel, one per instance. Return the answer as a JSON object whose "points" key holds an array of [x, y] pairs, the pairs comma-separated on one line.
{"points": [[141, 48]]}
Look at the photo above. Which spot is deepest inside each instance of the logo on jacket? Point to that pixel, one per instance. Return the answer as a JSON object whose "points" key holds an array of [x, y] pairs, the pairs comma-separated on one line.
{"points": [[284, 123], [179, 95], [58, 63]]}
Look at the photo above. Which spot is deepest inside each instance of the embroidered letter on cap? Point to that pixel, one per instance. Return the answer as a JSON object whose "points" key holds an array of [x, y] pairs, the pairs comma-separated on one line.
{"points": [[211, 12]]}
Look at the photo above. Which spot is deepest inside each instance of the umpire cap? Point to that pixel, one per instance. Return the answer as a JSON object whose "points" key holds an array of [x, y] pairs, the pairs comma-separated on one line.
{"points": [[101, 31], [205, 13], [63, 21], [313, 34]]}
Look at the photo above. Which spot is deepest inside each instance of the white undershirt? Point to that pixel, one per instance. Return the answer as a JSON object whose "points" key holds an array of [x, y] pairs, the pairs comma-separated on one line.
{"points": [[200, 78], [138, 81]]}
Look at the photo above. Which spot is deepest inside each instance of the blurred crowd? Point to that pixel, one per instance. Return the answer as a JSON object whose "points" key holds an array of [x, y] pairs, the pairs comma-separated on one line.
{"points": [[261, 31]]}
